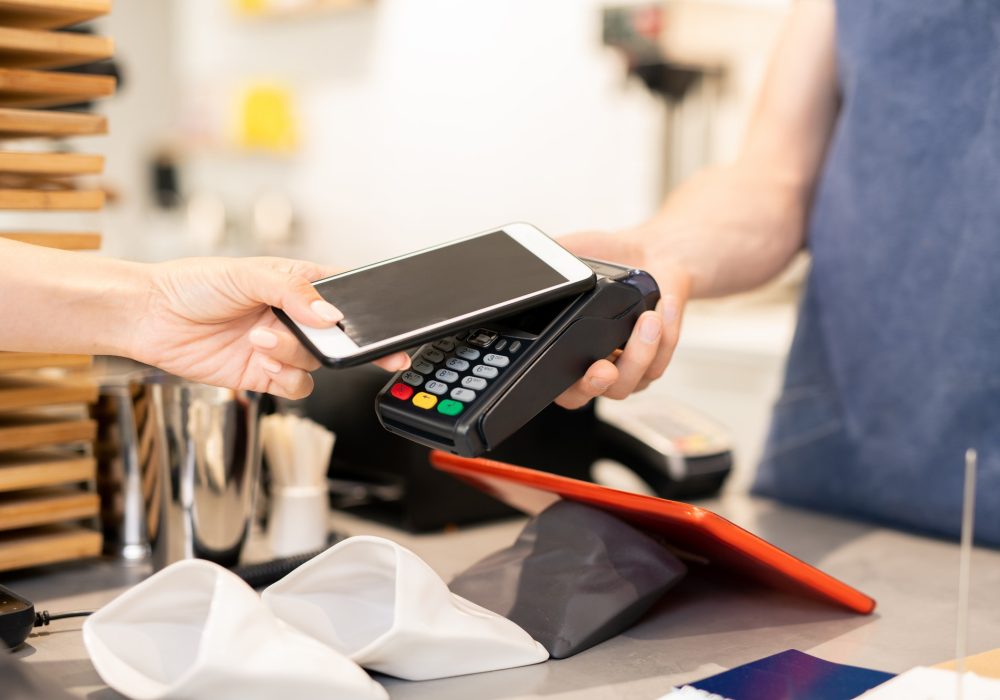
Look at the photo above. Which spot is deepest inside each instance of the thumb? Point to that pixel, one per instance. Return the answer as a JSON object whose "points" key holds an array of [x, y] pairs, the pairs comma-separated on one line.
{"points": [[287, 285]]}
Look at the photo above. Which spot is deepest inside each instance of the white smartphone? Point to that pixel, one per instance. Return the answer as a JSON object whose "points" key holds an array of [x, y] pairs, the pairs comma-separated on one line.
{"points": [[416, 298]]}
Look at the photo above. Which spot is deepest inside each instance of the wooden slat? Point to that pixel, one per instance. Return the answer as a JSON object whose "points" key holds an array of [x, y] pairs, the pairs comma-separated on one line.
{"points": [[47, 545], [14, 361], [17, 392], [52, 200], [35, 88], [55, 239], [24, 431], [52, 164], [46, 506], [32, 48], [49, 14], [26, 470], [31, 123]]}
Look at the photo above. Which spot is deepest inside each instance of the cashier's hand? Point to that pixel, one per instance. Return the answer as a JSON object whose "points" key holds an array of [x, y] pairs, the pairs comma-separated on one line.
{"points": [[651, 345], [209, 320]]}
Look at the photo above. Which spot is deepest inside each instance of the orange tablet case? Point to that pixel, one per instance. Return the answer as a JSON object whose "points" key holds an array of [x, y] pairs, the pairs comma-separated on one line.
{"points": [[688, 528]]}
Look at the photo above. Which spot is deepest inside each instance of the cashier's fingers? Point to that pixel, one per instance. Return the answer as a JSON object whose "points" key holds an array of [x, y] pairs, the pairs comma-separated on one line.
{"points": [[599, 377], [639, 355], [282, 346], [283, 380]]}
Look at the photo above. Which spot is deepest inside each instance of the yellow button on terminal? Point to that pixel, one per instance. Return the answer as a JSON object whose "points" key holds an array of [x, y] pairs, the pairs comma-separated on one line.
{"points": [[424, 400]]}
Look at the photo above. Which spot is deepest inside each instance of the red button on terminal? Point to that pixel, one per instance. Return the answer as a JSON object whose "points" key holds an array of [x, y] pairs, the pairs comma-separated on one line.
{"points": [[401, 391]]}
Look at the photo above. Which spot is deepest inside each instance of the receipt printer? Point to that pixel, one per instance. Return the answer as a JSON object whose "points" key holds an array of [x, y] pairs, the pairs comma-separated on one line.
{"points": [[468, 392]]}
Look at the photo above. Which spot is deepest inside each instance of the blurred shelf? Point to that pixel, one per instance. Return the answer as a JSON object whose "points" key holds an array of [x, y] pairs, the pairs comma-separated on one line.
{"points": [[35, 88], [51, 164], [30, 391], [47, 545], [52, 200], [62, 241], [32, 48], [50, 14], [46, 506], [23, 431], [31, 123], [31, 469]]}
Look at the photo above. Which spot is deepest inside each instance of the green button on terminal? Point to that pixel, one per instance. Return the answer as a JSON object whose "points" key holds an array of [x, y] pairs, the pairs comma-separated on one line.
{"points": [[450, 408]]}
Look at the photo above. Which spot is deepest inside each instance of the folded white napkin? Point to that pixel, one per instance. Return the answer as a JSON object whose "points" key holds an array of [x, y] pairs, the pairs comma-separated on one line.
{"points": [[382, 606], [197, 631]]}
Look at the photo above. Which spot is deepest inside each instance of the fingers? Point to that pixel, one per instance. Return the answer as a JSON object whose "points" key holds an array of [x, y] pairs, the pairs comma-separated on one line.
{"points": [[393, 363], [284, 380], [639, 355], [599, 378], [283, 347], [286, 284]]}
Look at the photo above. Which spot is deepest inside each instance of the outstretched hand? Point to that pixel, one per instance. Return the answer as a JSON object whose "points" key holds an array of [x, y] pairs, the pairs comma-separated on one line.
{"points": [[210, 321], [651, 345]]}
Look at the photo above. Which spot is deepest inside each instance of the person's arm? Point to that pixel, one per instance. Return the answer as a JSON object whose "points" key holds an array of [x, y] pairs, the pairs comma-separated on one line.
{"points": [[733, 227], [206, 319]]}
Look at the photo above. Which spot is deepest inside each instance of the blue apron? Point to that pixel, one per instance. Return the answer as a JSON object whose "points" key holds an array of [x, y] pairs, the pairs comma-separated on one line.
{"points": [[895, 366]]}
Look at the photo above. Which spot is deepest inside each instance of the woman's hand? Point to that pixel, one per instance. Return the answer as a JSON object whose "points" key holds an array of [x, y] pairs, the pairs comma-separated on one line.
{"points": [[651, 345], [209, 320]]}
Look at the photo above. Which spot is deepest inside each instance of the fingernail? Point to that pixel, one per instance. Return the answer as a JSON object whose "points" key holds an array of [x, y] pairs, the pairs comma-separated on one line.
{"points": [[649, 331], [326, 311], [270, 365], [601, 385], [668, 309], [263, 338]]}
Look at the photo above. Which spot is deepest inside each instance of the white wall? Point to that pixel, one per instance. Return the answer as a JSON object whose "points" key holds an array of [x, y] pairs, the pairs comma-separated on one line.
{"points": [[432, 119]]}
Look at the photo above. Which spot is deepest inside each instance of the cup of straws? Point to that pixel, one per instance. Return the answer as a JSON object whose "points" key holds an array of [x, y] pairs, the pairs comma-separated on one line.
{"points": [[298, 454]]}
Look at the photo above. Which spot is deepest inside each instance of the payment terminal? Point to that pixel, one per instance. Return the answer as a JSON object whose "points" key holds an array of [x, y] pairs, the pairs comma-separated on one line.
{"points": [[468, 392]]}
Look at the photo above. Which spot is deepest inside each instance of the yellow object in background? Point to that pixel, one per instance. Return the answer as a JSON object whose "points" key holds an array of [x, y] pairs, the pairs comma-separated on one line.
{"points": [[267, 119], [250, 7]]}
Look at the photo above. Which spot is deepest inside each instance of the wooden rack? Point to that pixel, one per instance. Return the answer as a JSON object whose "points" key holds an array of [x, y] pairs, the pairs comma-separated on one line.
{"points": [[47, 466]]}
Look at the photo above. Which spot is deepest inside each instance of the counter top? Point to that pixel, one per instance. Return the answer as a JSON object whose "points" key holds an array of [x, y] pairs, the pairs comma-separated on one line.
{"points": [[705, 625]]}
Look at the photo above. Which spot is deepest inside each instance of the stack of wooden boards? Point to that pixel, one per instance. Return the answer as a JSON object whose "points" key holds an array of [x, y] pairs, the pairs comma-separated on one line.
{"points": [[47, 468]]}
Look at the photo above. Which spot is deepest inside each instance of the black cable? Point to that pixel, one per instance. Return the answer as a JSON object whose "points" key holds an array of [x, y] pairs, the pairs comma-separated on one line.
{"points": [[45, 617]]}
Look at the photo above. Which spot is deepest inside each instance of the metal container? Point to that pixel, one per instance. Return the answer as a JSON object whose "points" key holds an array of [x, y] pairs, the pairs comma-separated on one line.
{"points": [[200, 455]]}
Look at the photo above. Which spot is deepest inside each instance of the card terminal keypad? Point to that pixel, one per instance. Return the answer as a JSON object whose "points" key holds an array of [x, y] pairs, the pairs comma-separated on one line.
{"points": [[449, 374]]}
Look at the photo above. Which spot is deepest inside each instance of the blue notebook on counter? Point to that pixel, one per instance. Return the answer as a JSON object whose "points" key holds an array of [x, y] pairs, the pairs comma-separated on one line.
{"points": [[792, 675]]}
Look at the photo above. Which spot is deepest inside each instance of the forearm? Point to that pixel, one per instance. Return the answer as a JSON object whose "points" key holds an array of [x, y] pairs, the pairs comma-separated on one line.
{"points": [[58, 301], [735, 227], [730, 228]]}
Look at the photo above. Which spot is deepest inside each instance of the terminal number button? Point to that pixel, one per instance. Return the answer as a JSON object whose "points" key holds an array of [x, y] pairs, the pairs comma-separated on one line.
{"points": [[423, 366], [467, 353], [446, 375], [432, 355], [436, 387], [485, 372], [476, 383], [495, 360], [456, 364]]}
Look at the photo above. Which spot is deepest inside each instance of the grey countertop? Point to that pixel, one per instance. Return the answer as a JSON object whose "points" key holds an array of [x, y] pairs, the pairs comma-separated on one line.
{"points": [[704, 626]]}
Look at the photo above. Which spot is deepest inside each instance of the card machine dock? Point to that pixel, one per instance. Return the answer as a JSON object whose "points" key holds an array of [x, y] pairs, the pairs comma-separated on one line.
{"points": [[468, 392]]}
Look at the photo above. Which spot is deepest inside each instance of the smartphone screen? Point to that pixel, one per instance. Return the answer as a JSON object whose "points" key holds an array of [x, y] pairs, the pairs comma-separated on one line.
{"points": [[387, 300]]}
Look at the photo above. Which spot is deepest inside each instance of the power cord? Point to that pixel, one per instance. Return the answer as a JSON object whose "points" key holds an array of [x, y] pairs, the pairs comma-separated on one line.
{"points": [[45, 617]]}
